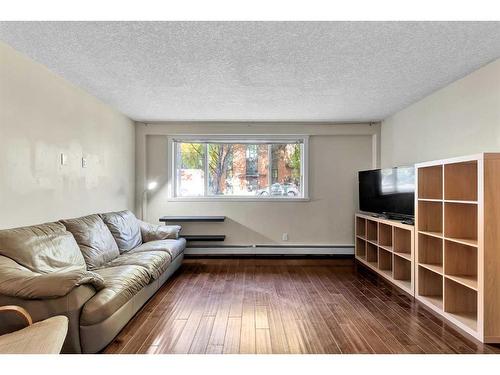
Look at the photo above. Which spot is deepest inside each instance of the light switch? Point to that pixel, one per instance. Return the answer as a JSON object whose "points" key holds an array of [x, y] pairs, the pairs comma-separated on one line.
{"points": [[64, 159], [84, 162]]}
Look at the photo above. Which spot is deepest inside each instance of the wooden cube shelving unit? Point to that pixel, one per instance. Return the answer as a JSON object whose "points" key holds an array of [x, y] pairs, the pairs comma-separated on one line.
{"points": [[386, 247], [457, 259]]}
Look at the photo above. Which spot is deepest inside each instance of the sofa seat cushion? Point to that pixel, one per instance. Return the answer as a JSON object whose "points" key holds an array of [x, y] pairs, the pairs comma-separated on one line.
{"points": [[156, 262], [125, 229], [94, 238], [173, 247], [42, 248], [120, 285]]}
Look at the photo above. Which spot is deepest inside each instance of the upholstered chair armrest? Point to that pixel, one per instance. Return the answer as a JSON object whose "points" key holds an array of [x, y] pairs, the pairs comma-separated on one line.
{"points": [[151, 232], [18, 310], [18, 281]]}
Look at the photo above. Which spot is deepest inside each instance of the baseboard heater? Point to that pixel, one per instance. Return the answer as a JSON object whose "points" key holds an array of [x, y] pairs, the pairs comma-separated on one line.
{"points": [[270, 250]]}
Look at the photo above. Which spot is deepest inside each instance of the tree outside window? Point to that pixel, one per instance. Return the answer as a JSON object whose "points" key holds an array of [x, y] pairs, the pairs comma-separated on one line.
{"points": [[232, 169]]}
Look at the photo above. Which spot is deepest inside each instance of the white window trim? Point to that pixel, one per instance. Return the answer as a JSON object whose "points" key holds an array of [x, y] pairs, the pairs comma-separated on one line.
{"points": [[238, 137]]}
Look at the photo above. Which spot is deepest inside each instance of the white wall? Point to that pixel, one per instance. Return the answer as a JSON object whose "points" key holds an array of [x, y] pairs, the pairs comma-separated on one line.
{"points": [[42, 115], [460, 119], [336, 153]]}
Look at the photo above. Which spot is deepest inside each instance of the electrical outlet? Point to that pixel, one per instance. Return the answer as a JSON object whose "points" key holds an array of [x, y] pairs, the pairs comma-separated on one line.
{"points": [[64, 159], [84, 162], [284, 237]]}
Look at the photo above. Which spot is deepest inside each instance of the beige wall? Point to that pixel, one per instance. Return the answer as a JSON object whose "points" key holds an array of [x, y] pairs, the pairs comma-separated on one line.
{"points": [[460, 119], [42, 115], [336, 153]]}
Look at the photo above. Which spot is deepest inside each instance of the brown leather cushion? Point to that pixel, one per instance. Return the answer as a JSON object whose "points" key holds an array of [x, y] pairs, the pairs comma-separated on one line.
{"points": [[94, 238], [42, 248], [173, 247], [121, 284], [125, 229], [156, 262]]}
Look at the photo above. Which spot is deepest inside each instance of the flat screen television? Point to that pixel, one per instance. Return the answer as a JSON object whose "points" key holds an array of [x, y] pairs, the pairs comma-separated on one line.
{"points": [[388, 191]]}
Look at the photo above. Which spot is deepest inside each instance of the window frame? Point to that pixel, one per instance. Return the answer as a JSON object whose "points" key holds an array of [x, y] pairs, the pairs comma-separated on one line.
{"points": [[238, 138]]}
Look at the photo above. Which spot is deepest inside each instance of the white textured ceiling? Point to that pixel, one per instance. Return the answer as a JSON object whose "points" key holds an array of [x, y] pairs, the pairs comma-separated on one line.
{"points": [[299, 71]]}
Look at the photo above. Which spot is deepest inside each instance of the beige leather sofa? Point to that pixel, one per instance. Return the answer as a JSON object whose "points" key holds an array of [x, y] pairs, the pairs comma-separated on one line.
{"points": [[97, 270]]}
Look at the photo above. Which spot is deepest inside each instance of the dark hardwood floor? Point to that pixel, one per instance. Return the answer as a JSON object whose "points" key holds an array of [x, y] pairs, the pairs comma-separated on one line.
{"points": [[285, 306]]}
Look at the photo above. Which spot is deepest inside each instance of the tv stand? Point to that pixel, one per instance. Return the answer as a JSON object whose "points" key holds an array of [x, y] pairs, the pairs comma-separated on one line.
{"points": [[386, 247]]}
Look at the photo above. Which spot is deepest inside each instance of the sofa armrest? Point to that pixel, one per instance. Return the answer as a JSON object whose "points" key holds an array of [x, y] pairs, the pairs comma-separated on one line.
{"points": [[69, 305], [18, 281], [151, 232]]}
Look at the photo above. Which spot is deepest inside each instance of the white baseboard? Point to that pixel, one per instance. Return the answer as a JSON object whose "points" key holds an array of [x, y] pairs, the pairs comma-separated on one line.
{"points": [[270, 250]]}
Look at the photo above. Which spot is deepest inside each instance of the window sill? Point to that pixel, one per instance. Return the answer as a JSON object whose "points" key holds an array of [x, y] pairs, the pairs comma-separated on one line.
{"points": [[237, 199]]}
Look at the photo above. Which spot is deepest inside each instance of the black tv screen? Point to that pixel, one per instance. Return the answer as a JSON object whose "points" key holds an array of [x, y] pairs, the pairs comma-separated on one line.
{"points": [[390, 191]]}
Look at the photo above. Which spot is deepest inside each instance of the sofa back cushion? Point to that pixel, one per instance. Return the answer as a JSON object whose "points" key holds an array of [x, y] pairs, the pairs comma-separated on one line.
{"points": [[95, 240], [124, 227], [42, 248]]}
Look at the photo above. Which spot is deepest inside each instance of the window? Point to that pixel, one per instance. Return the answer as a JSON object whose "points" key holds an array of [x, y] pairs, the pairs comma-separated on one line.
{"points": [[239, 167]]}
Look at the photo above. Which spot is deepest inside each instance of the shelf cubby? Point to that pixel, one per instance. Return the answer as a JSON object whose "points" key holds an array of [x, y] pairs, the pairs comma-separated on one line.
{"points": [[384, 260], [430, 217], [430, 286], [460, 181], [430, 182], [385, 236], [371, 230], [360, 227], [402, 240], [404, 256], [460, 222], [430, 253], [460, 263], [461, 302], [402, 269], [360, 247], [371, 253]]}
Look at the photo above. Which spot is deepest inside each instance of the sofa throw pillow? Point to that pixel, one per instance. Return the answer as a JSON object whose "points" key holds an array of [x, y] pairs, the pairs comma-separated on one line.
{"points": [[152, 232], [125, 229]]}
